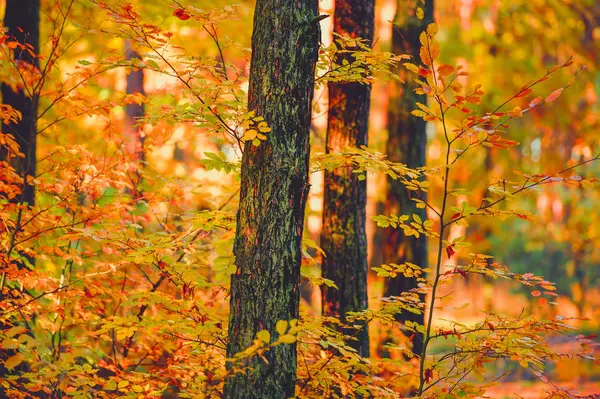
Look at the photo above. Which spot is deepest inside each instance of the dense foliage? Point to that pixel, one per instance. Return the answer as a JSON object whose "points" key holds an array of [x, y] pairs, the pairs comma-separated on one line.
{"points": [[115, 280]]}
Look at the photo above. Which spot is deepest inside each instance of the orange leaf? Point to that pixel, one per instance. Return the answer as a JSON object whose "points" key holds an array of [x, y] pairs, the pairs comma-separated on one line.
{"points": [[554, 95], [524, 91], [445, 70], [536, 293]]}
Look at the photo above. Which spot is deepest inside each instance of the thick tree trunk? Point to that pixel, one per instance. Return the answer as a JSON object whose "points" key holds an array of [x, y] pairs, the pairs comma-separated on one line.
{"points": [[274, 188], [406, 143], [134, 140], [22, 21], [344, 215]]}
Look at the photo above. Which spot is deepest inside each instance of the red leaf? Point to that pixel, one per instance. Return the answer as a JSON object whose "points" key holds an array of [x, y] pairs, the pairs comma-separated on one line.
{"points": [[450, 250], [428, 375], [591, 336], [536, 293], [424, 72], [460, 271], [491, 326], [181, 14], [455, 216]]}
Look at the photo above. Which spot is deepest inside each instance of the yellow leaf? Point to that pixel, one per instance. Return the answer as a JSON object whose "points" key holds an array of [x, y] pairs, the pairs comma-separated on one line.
{"points": [[432, 29], [281, 326], [263, 127], [137, 388], [434, 50], [287, 339], [264, 336], [122, 384], [411, 67], [420, 13], [14, 361], [250, 134]]}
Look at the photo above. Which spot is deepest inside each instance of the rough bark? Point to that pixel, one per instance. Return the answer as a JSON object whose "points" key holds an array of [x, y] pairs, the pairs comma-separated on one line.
{"points": [[134, 141], [344, 215], [406, 143], [21, 19], [274, 187]]}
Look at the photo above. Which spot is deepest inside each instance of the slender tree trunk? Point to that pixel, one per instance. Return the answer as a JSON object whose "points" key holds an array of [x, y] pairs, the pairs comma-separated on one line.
{"points": [[345, 198], [406, 143], [274, 188], [134, 140], [22, 18]]}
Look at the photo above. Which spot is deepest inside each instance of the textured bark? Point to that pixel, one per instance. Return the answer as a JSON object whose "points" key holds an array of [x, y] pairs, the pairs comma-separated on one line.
{"points": [[344, 215], [406, 143], [21, 19], [134, 141], [274, 187]]}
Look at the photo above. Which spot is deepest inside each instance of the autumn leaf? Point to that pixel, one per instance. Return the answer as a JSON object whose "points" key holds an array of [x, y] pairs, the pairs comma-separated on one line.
{"points": [[420, 13], [445, 70], [14, 361], [450, 250], [524, 92], [554, 95], [181, 14], [428, 375]]}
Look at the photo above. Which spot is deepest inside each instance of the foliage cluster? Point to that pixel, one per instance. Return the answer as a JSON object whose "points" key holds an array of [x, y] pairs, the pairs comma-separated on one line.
{"points": [[115, 281]]}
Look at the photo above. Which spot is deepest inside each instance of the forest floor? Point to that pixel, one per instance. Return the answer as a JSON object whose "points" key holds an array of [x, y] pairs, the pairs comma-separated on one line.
{"points": [[528, 390]]}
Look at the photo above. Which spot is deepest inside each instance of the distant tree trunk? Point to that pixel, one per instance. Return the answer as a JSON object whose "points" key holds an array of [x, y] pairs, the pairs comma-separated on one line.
{"points": [[406, 143], [22, 18], [345, 198], [274, 188], [134, 140]]}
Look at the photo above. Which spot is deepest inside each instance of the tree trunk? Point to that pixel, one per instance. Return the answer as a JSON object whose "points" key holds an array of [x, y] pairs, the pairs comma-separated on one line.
{"points": [[274, 188], [134, 140], [406, 143], [22, 18], [344, 215]]}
